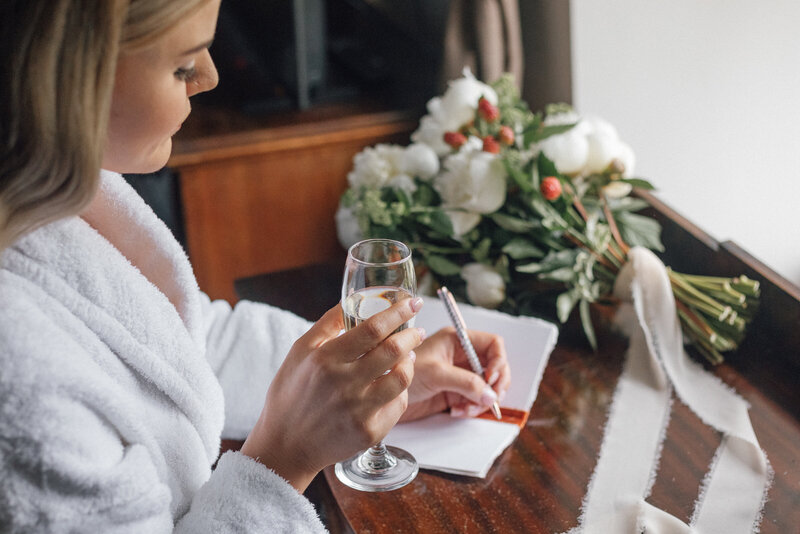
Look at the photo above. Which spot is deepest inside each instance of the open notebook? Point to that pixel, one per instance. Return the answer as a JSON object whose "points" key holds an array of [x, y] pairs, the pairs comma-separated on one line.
{"points": [[470, 446]]}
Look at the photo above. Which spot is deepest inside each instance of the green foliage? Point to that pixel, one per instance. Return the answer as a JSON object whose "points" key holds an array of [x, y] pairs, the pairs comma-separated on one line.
{"points": [[566, 251]]}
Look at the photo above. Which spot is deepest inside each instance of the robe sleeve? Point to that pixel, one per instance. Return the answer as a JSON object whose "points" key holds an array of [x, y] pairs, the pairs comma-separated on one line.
{"points": [[245, 346]]}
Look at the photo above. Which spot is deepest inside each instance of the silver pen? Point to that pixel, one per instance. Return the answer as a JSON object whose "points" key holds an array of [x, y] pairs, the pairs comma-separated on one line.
{"points": [[461, 331]]}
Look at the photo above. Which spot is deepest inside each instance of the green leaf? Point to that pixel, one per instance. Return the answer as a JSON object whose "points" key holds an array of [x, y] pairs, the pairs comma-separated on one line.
{"points": [[639, 230], [586, 322], [546, 166], [518, 176], [513, 224], [627, 204], [519, 248], [562, 274], [442, 266], [425, 195], [638, 182], [440, 222], [561, 258], [539, 133], [481, 250], [530, 268], [564, 304]]}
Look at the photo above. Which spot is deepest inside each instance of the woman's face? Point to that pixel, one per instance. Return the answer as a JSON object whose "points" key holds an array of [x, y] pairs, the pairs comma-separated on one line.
{"points": [[152, 89]]}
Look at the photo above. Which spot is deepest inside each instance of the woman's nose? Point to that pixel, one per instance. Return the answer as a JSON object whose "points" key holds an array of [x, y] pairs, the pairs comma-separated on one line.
{"points": [[206, 77]]}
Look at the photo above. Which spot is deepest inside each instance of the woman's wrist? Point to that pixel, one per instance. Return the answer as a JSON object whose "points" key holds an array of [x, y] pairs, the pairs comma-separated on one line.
{"points": [[293, 471]]}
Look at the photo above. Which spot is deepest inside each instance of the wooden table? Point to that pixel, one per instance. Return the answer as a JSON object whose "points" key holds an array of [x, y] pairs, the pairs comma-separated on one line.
{"points": [[538, 483]]}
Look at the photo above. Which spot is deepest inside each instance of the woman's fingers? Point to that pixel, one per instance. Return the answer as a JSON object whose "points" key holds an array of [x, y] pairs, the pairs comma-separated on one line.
{"points": [[495, 361], [389, 385], [385, 356], [328, 327], [371, 333], [465, 383]]}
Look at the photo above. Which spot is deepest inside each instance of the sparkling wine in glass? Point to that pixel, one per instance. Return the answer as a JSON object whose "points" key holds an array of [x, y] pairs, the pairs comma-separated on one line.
{"points": [[378, 273]]}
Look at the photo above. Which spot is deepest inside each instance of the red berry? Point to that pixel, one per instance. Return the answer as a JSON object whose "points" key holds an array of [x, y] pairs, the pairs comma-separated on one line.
{"points": [[491, 145], [455, 139], [506, 135], [551, 188], [488, 111]]}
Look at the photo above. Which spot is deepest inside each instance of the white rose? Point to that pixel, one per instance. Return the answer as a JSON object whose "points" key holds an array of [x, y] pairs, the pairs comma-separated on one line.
{"points": [[473, 182], [347, 229], [452, 110], [485, 286]]}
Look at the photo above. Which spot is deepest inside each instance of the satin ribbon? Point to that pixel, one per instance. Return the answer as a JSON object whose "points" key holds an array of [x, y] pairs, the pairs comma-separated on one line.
{"points": [[733, 492]]}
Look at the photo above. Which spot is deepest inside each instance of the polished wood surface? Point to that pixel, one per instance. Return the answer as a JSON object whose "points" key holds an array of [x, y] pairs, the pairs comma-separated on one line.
{"points": [[538, 483], [260, 196]]}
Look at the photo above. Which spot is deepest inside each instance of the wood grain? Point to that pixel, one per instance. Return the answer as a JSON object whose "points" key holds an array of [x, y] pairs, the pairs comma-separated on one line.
{"points": [[264, 200]]}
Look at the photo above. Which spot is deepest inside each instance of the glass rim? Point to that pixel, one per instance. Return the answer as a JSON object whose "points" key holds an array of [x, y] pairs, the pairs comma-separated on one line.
{"points": [[405, 250]]}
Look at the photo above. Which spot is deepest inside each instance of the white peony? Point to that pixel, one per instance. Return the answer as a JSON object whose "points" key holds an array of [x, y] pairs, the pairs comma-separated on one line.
{"points": [[589, 147], [393, 165], [347, 229], [373, 167], [485, 286], [568, 151], [452, 110], [473, 183], [420, 160]]}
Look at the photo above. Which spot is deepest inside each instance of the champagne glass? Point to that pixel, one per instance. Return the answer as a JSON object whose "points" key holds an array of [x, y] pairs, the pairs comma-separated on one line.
{"points": [[378, 273]]}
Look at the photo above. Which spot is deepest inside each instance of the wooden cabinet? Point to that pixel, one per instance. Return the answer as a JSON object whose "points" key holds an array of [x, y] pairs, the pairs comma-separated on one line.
{"points": [[258, 198]]}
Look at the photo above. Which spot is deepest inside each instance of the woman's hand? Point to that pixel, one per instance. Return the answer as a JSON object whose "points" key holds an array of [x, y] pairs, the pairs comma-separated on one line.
{"points": [[444, 380], [333, 396]]}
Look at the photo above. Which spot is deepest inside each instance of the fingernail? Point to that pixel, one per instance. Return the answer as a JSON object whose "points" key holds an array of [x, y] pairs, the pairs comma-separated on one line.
{"points": [[457, 411], [422, 334], [488, 397], [493, 378], [412, 355], [416, 304], [474, 411]]}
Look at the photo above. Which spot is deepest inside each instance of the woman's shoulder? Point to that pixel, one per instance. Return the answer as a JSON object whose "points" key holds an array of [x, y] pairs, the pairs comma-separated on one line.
{"points": [[30, 334]]}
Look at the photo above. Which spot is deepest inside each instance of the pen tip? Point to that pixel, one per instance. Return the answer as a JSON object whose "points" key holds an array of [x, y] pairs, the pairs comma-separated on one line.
{"points": [[496, 411]]}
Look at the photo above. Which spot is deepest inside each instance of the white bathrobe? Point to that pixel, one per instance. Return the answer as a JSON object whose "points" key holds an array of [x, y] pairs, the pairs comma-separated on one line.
{"points": [[113, 370]]}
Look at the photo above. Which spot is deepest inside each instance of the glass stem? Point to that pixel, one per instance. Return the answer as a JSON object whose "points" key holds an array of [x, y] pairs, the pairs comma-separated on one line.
{"points": [[377, 459]]}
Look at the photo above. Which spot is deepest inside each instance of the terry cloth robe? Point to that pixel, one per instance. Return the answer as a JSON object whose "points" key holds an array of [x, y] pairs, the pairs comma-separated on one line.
{"points": [[110, 410]]}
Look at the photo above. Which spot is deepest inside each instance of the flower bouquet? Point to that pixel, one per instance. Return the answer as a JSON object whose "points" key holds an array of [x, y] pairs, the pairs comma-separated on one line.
{"points": [[512, 209]]}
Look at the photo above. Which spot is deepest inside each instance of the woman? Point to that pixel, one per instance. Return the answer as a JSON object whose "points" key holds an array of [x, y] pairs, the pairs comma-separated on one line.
{"points": [[113, 365]]}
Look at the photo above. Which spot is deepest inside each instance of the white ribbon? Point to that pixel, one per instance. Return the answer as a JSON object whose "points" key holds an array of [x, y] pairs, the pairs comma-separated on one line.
{"points": [[732, 495]]}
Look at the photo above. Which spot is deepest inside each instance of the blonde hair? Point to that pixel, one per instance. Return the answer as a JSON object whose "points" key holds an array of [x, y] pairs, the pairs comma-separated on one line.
{"points": [[55, 96]]}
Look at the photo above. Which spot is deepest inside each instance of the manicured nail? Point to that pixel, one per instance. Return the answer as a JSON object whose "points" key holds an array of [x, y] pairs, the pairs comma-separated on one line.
{"points": [[412, 355], [493, 378], [416, 304], [422, 334], [457, 411], [488, 397]]}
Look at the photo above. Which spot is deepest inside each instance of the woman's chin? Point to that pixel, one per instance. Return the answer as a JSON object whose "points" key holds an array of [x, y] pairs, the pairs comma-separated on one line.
{"points": [[152, 162]]}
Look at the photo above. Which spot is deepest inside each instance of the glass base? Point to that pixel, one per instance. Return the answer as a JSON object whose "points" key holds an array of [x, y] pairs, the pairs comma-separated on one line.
{"points": [[379, 468]]}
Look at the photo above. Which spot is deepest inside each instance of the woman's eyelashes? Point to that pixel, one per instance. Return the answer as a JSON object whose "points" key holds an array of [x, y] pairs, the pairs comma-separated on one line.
{"points": [[186, 74]]}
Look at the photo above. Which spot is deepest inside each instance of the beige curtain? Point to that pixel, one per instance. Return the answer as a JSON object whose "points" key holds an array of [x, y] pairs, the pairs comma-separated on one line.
{"points": [[484, 35]]}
